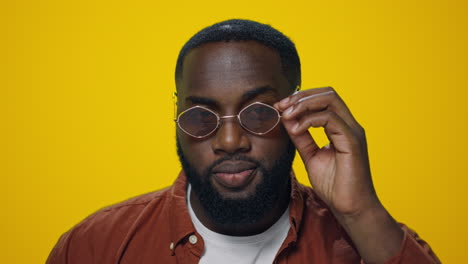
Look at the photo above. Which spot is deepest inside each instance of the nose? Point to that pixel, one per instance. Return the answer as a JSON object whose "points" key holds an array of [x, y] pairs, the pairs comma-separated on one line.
{"points": [[230, 138]]}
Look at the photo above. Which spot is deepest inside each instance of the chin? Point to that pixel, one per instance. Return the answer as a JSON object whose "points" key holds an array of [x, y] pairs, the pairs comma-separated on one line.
{"points": [[232, 202]]}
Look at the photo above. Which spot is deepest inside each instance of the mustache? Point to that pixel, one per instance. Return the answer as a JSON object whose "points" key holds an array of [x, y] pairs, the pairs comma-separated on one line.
{"points": [[232, 157]]}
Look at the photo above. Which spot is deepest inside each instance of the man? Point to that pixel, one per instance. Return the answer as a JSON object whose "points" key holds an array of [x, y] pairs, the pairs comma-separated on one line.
{"points": [[241, 117]]}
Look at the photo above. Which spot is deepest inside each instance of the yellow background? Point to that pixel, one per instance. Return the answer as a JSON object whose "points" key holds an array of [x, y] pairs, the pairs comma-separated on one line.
{"points": [[86, 108]]}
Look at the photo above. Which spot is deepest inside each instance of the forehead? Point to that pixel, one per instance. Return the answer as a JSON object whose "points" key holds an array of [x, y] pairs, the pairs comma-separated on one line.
{"points": [[224, 71]]}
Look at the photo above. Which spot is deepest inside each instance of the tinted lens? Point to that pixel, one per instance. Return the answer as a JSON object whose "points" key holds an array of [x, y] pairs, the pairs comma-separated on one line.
{"points": [[259, 118], [198, 122]]}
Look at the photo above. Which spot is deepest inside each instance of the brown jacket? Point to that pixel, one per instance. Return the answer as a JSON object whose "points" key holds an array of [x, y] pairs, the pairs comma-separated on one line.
{"points": [[156, 228]]}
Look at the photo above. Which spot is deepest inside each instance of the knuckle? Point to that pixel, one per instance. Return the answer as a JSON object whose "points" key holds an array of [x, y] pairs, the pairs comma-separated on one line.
{"points": [[360, 135], [323, 104], [355, 144], [360, 130], [330, 115], [308, 122]]}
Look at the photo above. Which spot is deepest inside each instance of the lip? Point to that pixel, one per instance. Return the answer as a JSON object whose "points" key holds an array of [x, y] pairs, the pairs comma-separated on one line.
{"points": [[234, 175], [233, 167]]}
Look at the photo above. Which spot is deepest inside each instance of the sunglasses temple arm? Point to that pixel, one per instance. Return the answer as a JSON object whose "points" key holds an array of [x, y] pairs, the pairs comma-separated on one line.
{"points": [[174, 100]]}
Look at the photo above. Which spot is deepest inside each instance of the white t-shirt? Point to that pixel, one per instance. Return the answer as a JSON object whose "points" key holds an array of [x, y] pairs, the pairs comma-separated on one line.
{"points": [[260, 248]]}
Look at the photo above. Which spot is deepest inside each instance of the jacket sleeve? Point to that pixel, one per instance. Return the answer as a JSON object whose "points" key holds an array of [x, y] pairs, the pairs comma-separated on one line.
{"points": [[413, 250], [71, 248], [59, 252]]}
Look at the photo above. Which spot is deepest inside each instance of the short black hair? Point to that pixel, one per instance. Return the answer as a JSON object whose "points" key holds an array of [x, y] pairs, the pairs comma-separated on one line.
{"points": [[245, 30]]}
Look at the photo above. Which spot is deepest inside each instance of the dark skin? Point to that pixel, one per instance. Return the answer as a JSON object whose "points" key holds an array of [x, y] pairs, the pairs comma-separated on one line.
{"points": [[228, 76]]}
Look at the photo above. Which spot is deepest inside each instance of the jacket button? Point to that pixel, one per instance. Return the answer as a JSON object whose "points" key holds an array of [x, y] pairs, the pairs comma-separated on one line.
{"points": [[193, 239], [171, 246]]}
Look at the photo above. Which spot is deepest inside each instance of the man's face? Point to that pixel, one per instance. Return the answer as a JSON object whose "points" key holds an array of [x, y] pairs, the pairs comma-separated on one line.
{"points": [[233, 167]]}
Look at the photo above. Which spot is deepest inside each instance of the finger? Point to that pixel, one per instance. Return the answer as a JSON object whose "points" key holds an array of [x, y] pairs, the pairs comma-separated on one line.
{"points": [[304, 142], [337, 130], [312, 102], [292, 99]]}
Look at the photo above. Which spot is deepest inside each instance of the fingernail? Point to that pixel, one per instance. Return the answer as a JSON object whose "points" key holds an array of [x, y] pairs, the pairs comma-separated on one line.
{"points": [[288, 111], [295, 127], [284, 101]]}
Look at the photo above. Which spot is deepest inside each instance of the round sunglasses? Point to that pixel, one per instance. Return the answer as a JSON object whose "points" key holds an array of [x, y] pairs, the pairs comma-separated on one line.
{"points": [[257, 118]]}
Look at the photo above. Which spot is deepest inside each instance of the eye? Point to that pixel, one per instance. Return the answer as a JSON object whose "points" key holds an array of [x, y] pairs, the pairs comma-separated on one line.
{"points": [[259, 118], [205, 116], [198, 116], [259, 112], [198, 122]]}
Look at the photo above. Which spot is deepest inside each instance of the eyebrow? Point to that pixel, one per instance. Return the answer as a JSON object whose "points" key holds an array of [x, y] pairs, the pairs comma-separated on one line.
{"points": [[245, 97], [258, 91], [201, 100]]}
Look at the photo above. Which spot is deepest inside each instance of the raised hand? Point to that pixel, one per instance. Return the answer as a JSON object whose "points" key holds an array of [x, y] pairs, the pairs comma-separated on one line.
{"points": [[340, 172]]}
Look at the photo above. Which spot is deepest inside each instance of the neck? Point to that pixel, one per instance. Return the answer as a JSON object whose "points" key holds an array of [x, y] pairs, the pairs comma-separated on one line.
{"points": [[244, 229]]}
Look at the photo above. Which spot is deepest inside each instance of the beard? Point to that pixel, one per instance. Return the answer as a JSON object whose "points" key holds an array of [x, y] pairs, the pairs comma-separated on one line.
{"points": [[229, 212]]}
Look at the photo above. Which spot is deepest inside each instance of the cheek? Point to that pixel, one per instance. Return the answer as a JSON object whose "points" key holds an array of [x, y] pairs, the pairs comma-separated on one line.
{"points": [[269, 149], [197, 152]]}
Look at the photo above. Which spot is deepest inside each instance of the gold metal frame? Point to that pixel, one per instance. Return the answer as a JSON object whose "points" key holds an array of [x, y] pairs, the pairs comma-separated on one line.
{"points": [[219, 118]]}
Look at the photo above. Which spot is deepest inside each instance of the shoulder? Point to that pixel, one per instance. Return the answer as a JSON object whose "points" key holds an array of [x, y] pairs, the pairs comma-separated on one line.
{"points": [[135, 203], [107, 229], [126, 211]]}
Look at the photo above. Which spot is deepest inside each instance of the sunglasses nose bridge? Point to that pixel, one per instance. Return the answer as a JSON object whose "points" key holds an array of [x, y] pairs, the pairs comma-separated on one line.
{"points": [[222, 118], [227, 116]]}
